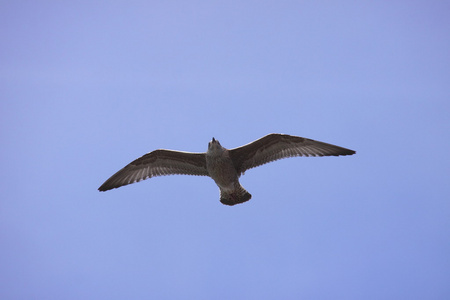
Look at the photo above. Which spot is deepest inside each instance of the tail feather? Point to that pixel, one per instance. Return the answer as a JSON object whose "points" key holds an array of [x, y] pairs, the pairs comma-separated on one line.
{"points": [[239, 195]]}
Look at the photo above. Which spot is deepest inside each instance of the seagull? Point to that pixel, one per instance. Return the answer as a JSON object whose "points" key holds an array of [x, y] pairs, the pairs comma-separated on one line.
{"points": [[224, 166]]}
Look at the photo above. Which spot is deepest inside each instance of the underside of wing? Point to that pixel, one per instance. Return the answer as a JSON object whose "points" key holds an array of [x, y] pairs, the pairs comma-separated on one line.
{"points": [[158, 163], [277, 146]]}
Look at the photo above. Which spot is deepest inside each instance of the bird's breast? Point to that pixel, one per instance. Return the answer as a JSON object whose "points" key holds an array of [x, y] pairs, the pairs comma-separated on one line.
{"points": [[222, 170]]}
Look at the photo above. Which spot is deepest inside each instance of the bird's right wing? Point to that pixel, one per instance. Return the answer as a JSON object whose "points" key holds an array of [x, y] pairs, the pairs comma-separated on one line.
{"points": [[158, 163], [277, 146]]}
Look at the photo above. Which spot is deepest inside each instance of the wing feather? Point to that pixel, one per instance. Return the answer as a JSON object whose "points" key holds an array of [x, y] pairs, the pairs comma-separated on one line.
{"points": [[277, 146], [158, 163]]}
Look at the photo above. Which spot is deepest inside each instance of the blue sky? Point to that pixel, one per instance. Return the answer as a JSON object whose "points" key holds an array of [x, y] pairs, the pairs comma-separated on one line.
{"points": [[87, 87]]}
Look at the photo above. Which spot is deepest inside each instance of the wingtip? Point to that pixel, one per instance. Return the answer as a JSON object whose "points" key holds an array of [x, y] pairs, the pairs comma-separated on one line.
{"points": [[104, 188], [348, 152]]}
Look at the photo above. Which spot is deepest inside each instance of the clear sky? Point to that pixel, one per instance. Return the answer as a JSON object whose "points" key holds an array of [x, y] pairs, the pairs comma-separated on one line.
{"points": [[88, 86]]}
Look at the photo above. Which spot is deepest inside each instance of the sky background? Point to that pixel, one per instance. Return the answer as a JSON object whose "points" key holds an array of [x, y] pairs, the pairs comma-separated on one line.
{"points": [[88, 86]]}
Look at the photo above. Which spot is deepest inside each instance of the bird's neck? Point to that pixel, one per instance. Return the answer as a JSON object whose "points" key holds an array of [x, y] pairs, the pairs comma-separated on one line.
{"points": [[215, 151]]}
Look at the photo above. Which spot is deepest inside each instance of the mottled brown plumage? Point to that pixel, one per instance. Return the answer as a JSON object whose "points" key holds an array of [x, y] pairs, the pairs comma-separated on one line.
{"points": [[222, 165]]}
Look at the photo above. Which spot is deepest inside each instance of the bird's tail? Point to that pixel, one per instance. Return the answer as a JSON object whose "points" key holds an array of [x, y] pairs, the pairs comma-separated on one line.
{"points": [[239, 195]]}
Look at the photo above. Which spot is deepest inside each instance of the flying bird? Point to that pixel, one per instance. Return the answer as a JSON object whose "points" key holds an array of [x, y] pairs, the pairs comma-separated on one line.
{"points": [[224, 166]]}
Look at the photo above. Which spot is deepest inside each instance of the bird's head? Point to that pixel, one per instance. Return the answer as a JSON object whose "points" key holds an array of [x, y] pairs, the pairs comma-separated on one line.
{"points": [[213, 143], [214, 146]]}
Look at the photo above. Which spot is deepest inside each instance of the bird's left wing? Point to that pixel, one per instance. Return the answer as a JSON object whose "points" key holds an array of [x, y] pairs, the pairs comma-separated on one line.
{"points": [[158, 163], [277, 146]]}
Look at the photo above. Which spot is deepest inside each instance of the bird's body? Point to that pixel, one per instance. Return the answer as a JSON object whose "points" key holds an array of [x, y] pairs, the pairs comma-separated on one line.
{"points": [[222, 165], [222, 170]]}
